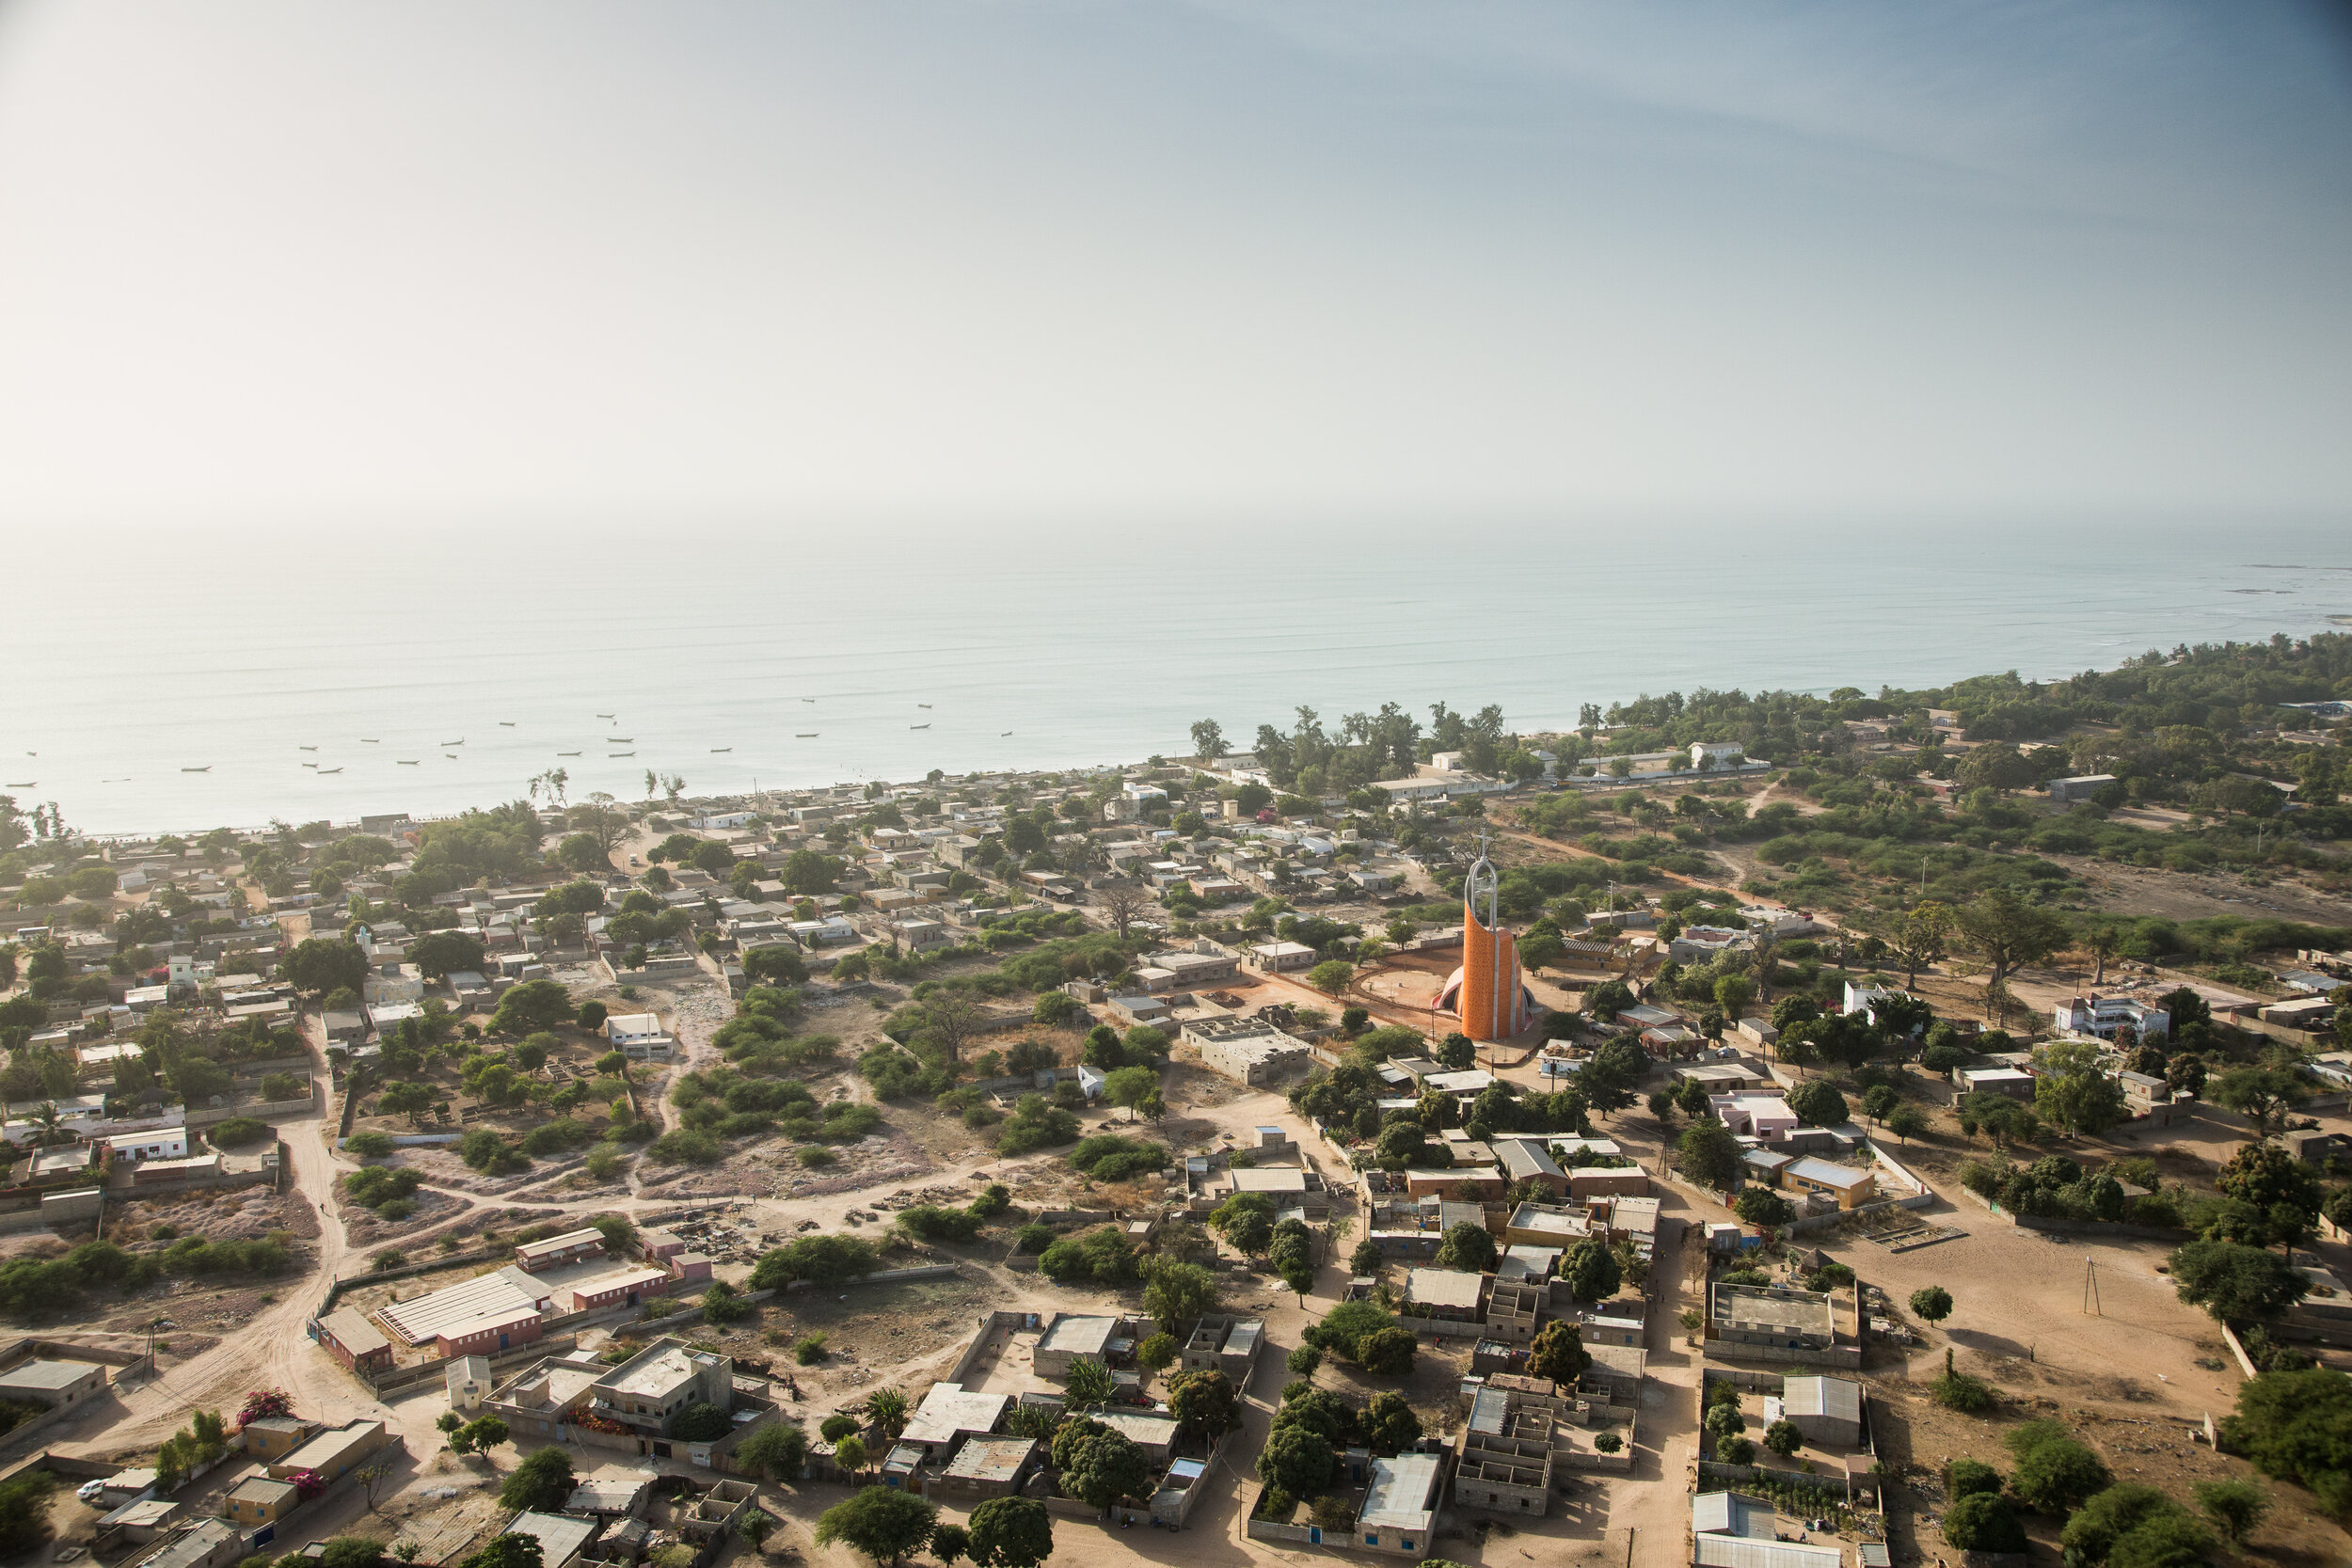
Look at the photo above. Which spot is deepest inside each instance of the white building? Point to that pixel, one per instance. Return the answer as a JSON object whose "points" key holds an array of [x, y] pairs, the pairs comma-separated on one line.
{"points": [[2103, 1016]]}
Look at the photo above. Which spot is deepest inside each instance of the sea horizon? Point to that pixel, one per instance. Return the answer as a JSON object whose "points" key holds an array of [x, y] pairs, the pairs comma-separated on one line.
{"points": [[737, 661]]}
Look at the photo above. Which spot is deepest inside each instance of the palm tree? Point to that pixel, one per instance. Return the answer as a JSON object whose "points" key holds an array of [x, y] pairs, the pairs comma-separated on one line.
{"points": [[887, 1409]]}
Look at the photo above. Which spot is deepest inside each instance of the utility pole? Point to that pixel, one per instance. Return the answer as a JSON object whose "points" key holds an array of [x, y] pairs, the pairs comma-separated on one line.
{"points": [[2090, 1288]]}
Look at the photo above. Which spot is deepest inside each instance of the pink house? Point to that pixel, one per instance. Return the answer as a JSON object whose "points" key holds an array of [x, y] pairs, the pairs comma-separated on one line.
{"points": [[1764, 1118]]}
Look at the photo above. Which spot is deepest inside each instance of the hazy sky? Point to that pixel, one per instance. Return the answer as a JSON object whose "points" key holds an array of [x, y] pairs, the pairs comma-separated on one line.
{"points": [[478, 259]]}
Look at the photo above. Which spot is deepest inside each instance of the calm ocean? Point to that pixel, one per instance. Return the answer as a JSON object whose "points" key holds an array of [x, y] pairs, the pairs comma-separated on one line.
{"points": [[1048, 651]]}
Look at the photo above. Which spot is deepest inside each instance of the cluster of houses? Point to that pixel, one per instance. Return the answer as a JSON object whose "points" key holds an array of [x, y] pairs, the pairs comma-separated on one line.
{"points": [[555, 1282]]}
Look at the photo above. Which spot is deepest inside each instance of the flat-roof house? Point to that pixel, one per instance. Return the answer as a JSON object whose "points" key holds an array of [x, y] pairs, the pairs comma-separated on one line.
{"points": [[1849, 1186], [1246, 1050], [203, 1544], [156, 1143], [555, 1251], [646, 1392], [988, 1467], [1764, 1118], [269, 1437], [1219, 1342], [1070, 1336], [627, 1287], [562, 1538], [1287, 1186], [1273, 958], [2106, 1016], [640, 1037], [348, 1336], [2012, 1081], [489, 1332], [258, 1500], [54, 1384], [950, 1412], [334, 1453], [1449, 1294], [1400, 1507], [1828, 1410], [2083, 787]]}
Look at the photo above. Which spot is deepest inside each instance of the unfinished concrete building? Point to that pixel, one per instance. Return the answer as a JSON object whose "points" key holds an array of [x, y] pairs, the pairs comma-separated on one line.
{"points": [[1512, 1310], [1505, 1455], [1772, 1317]]}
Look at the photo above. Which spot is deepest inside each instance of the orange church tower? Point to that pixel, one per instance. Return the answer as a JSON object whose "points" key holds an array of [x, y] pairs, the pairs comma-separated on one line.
{"points": [[1485, 993]]}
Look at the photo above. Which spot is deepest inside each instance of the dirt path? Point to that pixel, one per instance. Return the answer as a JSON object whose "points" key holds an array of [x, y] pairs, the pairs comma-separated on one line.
{"points": [[273, 1350]]}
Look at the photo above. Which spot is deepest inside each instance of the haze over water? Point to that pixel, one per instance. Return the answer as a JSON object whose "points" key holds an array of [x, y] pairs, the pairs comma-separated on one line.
{"points": [[233, 660]]}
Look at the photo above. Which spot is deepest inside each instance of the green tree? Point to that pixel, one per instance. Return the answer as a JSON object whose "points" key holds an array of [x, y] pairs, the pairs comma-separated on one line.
{"points": [[2055, 1474], [1011, 1532], [2235, 1506], [2263, 1096], [503, 1551], [533, 1006], [1331, 977], [1558, 1353], [1762, 1205], [2234, 1283], [1818, 1102], [442, 954], [1098, 1466], [543, 1482], [1469, 1248], [1783, 1437], [1178, 1294], [2136, 1526], [1907, 1122], [820, 1259], [1387, 1352], [1591, 1270], [1710, 1156], [1204, 1403], [1983, 1522], [1931, 1304], [2008, 933], [25, 1511], [776, 1450], [323, 964], [1299, 1460], [880, 1521], [2072, 1090]]}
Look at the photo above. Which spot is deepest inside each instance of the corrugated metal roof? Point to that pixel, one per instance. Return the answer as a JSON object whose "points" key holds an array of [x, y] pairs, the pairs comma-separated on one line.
{"points": [[1732, 1551]]}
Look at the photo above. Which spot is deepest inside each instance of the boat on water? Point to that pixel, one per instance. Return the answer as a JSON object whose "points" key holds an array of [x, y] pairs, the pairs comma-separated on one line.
{"points": [[306, 748], [206, 768], [807, 734], [324, 772], [922, 704], [506, 724], [408, 764], [453, 742], [925, 726], [620, 753], [35, 784], [310, 765], [608, 716], [1001, 736], [716, 750], [567, 754], [808, 698], [451, 755], [370, 741], [620, 740]]}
